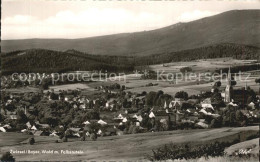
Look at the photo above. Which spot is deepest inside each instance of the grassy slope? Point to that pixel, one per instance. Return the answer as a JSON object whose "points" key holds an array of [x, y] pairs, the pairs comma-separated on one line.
{"points": [[253, 144], [8, 138], [239, 26], [130, 147]]}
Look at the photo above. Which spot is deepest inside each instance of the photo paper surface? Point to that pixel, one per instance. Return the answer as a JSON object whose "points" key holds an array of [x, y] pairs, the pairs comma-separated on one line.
{"points": [[131, 80]]}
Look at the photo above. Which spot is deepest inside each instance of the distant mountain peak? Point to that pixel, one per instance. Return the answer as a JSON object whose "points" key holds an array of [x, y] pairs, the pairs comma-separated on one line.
{"points": [[236, 26]]}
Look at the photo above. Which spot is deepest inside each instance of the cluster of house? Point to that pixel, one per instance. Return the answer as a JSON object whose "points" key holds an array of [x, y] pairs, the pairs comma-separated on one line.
{"points": [[175, 111]]}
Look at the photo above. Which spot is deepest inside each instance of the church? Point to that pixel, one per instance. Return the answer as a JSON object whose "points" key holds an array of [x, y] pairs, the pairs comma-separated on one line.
{"points": [[235, 95]]}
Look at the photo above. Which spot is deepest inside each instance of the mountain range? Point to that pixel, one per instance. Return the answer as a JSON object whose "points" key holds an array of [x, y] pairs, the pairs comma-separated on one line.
{"points": [[237, 27]]}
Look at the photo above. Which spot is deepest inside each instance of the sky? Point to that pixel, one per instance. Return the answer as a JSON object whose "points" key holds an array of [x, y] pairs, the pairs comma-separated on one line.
{"points": [[23, 19]]}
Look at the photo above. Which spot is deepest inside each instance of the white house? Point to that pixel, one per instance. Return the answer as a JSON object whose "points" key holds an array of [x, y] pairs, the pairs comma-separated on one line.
{"points": [[86, 122], [33, 128], [151, 115], [2, 129], [124, 120], [101, 122], [207, 105]]}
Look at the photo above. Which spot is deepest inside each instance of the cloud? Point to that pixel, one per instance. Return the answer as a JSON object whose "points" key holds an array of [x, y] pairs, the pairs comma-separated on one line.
{"points": [[18, 19], [98, 17], [90, 22], [194, 15]]}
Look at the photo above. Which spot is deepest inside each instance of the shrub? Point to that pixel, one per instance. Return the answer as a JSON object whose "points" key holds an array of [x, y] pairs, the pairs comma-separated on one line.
{"points": [[182, 94], [185, 69], [83, 138], [188, 152], [31, 141], [135, 130], [64, 139], [7, 157], [93, 136], [61, 136]]}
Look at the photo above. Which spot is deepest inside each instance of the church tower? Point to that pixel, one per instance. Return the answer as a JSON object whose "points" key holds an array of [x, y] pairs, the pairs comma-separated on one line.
{"points": [[228, 89]]}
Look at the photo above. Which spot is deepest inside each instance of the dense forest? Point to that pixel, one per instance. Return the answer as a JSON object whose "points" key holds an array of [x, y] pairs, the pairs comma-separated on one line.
{"points": [[214, 51], [48, 61], [42, 60]]}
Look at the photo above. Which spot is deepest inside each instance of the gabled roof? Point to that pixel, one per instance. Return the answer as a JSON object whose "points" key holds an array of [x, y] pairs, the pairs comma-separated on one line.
{"points": [[206, 101], [151, 115], [37, 133], [33, 128], [14, 117], [2, 129], [44, 125], [232, 104], [75, 129], [205, 105], [86, 122], [102, 122], [124, 120], [28, 124]]}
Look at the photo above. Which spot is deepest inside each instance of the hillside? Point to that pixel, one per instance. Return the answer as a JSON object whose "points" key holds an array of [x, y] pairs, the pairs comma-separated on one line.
{"points": [[48, 61], [41, 60], [236, 51], [238, 27], [134, 147]]}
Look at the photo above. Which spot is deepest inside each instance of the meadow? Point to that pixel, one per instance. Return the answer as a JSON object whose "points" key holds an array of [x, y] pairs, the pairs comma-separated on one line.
{"points": [[129, 147], [134, 83], [12, 138]]}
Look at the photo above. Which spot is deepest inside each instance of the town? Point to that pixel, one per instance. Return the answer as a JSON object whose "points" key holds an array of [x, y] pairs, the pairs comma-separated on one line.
{"points": [[113, 110], [130, 81]]}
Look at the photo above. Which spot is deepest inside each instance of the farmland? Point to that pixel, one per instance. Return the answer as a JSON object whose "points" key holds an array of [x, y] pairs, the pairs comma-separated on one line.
{"points": [[202, 65], [128, 147], [134, 83], [78, 86]]}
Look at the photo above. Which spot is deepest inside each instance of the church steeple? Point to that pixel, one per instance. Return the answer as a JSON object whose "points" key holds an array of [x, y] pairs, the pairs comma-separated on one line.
{"points": [[25, 112], [228, 87], [229, 77]]}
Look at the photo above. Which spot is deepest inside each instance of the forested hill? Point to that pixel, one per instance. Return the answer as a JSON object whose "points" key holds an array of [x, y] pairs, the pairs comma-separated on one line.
{"points": [[48, 61], [235, 51], [237, 26], [41, 60]]}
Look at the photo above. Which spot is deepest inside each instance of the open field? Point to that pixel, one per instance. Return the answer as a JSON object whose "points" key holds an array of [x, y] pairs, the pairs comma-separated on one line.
{"points": [[22, 90], [75, 86], [135, 84], [202, 65], [129, 147], [11, 138]]}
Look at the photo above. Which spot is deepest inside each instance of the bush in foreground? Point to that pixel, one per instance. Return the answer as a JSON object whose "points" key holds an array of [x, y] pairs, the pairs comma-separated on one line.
{"points": [[7, 157], [31, 141], [188, 152], [64, 139], [93, 136]]}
